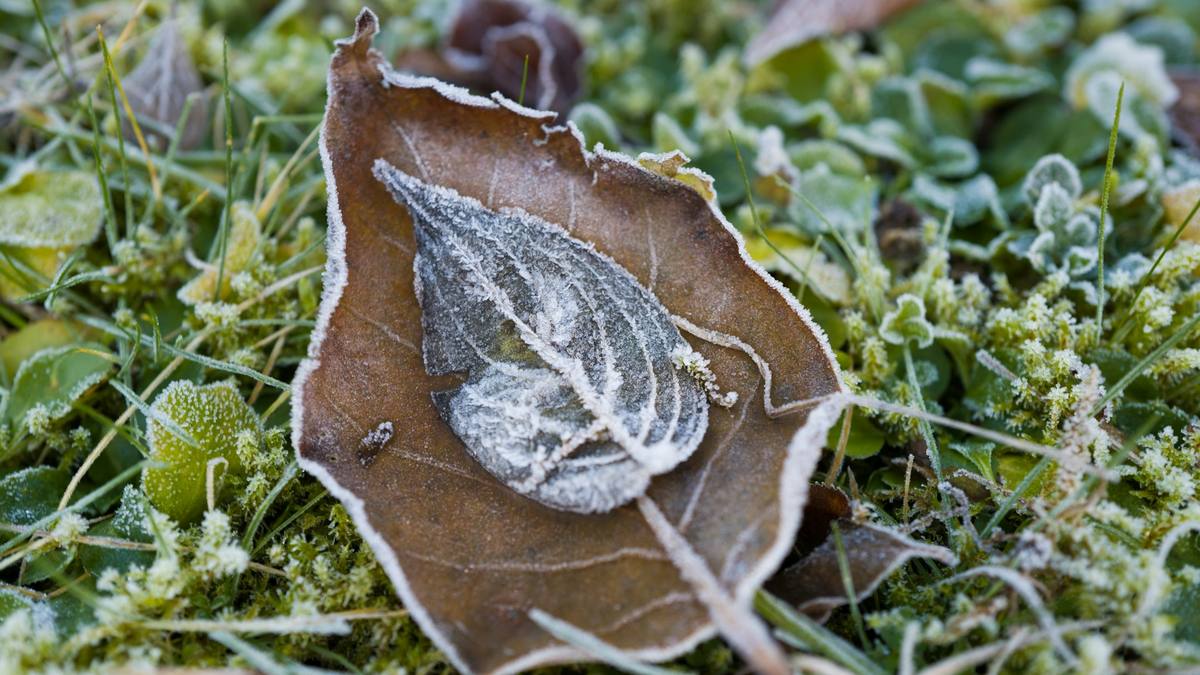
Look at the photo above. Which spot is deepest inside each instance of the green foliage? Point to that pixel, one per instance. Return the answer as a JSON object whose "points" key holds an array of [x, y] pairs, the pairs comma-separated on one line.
{"points": [[49, 381], [936, 182]]}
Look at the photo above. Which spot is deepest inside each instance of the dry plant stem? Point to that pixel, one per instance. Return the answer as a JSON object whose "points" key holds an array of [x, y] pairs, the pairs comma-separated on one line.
{"points": [[965, 662], [278, 286], [210, 480], [20, 554], [835, 467], [275, 352], [740, 626], [120, 421], [818, 666], [288, 624], [124, 545]]}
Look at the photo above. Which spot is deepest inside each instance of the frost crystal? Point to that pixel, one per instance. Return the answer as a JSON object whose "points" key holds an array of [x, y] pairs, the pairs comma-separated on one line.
{"points": [[571, 395], [696, 365]]}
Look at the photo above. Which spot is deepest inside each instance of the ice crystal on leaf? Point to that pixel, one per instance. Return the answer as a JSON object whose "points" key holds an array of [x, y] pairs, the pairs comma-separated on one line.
{"points": [[571, 395]]}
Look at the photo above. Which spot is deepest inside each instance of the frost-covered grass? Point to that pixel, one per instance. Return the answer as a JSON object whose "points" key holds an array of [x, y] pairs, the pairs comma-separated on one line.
{"points": [[933, 193]]}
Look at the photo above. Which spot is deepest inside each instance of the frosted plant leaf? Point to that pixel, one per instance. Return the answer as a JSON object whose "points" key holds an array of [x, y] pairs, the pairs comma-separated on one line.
{"points": [[50, 209], [1054, 207], [1051, 169], [572, 396], [470, 574], [1141, 66], [54, 378], [160, 85], [213, 415]]}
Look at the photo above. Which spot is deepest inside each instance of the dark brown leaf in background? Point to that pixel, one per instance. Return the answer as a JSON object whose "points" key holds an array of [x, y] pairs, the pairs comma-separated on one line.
{"points": [[469, 556], [159, 86], [492, 38], [814, 584], [794, 22], [1185, 113]]}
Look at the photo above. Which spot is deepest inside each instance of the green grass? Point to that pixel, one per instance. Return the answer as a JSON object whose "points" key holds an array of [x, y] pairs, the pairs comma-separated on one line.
{"points": [[1061, 567]]}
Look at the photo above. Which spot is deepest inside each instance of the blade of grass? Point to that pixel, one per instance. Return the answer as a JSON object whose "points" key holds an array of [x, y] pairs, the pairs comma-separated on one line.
{"points": [[524, 79], [593, 646], [1022, 487], [1108, 167], [155, 187], [112, 94], [288, 474], [186, 354], [848, 584], [153, 414], [41, 18], [226, 220], [1133, 373], [289, 520], [803, 633], [802, 274], [931, 446]]}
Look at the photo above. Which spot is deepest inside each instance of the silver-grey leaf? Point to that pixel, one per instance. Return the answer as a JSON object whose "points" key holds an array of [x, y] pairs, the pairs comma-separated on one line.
{"points": [[579, 388], [160, 85]]}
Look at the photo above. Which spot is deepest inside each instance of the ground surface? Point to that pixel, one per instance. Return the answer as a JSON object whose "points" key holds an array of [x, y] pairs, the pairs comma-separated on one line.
{"points": [[943, 223]]}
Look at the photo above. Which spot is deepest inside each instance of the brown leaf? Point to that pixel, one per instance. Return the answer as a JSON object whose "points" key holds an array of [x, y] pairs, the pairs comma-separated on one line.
{"points": [[490, 39], [159, 86], [1185, 113], [898, 231], [814, 583], [795, 22], [469, 556]]}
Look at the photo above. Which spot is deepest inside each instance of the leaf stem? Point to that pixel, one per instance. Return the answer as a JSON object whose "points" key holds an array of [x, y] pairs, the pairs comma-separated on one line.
{"points": [[744, 630]]}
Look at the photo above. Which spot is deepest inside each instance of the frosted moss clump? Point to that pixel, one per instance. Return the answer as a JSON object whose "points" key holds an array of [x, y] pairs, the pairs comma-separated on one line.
{"points": [[245, 232], [212, 416], [694, 364], [218, 554], [571, 396]]}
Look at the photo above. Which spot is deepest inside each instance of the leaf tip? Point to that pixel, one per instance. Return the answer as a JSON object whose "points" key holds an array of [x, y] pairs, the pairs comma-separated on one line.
{"points": [[366, 25]]}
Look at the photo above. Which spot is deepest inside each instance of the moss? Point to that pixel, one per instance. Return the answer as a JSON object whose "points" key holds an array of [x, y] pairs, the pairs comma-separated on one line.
{"points": [[973, 135]]}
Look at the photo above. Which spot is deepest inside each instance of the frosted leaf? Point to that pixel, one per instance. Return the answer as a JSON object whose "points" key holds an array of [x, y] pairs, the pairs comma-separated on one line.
{"points": [[51, 380], [1054, 207], [159, 87], [571, 395], [50, 209], [1142, 66], [1051, 169], [213, 415]]}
